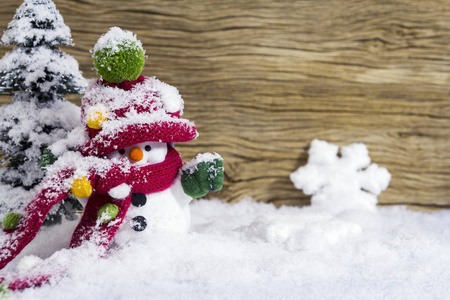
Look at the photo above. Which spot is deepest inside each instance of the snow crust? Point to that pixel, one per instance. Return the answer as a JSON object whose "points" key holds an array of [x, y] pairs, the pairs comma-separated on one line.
{"points": [[340, 183], [37, 22], [78, 166], [16, 198], [252, 250], [170, 97], [83, 166], [115, 37], [191, 165], [151, 93], [73, 140]]}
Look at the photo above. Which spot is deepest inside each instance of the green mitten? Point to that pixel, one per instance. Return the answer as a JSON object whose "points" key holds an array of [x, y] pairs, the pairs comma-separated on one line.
{"points": [[205, 177]]}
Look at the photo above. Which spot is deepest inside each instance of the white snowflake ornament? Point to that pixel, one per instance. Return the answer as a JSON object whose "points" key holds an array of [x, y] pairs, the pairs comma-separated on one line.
{"points": [[348, 182]]}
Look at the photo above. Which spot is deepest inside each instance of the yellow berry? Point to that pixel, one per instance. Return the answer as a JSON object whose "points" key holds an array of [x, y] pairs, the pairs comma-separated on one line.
{"points": [[81, 187], [96, 119]]}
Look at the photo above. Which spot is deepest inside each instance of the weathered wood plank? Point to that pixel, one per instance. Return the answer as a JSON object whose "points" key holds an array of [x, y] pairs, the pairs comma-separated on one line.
{"points": [[262, 78]]}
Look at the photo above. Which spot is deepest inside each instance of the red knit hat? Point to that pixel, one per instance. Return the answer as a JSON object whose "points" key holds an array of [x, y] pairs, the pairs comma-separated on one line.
{"points": [[119, 115]]}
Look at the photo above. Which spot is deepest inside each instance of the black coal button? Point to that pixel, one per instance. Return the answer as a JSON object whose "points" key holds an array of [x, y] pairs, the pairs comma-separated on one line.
{"points": [[139, 223], [138, 199]]}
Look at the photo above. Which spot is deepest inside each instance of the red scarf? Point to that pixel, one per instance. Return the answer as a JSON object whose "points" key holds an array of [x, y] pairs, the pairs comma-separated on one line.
{"points": [[142, 179], [146, 179], [157, 177]]}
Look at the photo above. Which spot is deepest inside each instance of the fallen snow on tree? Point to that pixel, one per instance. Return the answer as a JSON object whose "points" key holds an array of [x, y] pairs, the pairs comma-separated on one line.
{"points": [[40, 69], [40, 125], [37, 22]]}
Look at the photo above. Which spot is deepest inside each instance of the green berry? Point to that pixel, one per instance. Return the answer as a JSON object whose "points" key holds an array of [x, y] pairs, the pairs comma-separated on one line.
{"points": [[10, 221], [108, 212], [123, 62]]}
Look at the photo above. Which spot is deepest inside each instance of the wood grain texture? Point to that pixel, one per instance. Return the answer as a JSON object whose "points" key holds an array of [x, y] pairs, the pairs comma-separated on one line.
{"points": [[261, 79]]}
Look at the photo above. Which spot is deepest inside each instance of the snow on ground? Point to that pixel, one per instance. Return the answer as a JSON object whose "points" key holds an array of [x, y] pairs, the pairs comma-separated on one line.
{"points": [[341, 247], [252, 250]]}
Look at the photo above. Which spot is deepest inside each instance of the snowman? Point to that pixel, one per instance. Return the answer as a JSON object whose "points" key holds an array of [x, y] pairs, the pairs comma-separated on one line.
{"points": [[126, 171], [166, 210]]}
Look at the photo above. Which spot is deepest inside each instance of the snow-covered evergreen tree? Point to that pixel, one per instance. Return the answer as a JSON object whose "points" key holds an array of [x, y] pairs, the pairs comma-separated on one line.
{"points": [[37, 74]]}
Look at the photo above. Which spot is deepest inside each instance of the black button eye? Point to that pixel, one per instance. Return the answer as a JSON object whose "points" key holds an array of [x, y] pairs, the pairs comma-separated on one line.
{"points": [[148, 148], [122, 151]]}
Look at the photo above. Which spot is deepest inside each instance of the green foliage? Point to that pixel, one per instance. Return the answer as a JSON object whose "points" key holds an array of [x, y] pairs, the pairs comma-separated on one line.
{"points": [[11, 220], [47, 159], [70, 208], [108, 212], [52, 73], [31, 27], [118, 65], [207, 177], [37, 73]]}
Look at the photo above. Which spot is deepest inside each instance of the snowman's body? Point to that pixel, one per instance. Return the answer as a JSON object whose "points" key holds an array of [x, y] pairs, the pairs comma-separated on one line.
{"points": [[162, 211], [165, 211]]}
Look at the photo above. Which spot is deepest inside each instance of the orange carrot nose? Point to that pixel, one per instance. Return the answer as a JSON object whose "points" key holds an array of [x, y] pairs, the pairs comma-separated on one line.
{"points": [[136, 154]]}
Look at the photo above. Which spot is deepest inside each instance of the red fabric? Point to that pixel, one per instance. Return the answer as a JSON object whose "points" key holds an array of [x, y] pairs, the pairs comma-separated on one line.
{"points": [[171, 129], [146, 179], [165, 132], [99, 233], [124, 85], [33, 216], [21, 283]]}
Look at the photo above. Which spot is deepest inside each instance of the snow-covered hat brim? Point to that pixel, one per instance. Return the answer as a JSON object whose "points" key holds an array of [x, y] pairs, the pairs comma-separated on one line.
{"points": [[164, 131]]}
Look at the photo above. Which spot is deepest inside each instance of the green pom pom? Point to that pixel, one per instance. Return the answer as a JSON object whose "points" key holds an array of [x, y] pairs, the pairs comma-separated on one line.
{"points": [[10, 221], [122, 62], [108, 212]]}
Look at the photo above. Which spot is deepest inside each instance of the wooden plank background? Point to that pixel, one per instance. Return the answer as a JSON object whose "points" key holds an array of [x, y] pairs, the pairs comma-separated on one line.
{"points": [[262, 78]]}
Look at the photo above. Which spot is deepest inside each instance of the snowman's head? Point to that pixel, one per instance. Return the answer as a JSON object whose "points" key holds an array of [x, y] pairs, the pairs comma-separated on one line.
{"points": [[147, 153]]}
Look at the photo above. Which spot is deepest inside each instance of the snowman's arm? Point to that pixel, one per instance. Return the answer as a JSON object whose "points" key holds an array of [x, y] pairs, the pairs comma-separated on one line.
{"points": [[178, 192], [120, 192]]}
